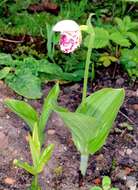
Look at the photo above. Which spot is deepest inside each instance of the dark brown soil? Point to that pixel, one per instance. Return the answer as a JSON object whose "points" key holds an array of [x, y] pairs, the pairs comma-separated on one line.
{"points": [[117, 159]]}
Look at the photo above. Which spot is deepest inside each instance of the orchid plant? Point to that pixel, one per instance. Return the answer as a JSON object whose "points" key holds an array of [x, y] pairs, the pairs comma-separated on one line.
{"points": [[40, 156], [90, 124]]}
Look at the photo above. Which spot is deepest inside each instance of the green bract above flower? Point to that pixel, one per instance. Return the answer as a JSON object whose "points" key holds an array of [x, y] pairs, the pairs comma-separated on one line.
{"points": [[70, 38]]}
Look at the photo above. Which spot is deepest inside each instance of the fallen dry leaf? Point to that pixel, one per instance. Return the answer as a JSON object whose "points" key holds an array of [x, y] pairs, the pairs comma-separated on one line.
{"points": [[97, 181]]}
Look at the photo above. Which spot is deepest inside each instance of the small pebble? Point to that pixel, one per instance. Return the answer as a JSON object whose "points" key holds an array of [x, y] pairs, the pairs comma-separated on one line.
{"points": [[9, 180], [121, 152], [65, 148], [51, 132], [7, 117], [128, 151], [131, 183], [120, 81]]}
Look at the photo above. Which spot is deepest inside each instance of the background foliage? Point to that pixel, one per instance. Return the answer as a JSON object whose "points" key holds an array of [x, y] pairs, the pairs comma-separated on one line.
{"points": [[29, 50]]}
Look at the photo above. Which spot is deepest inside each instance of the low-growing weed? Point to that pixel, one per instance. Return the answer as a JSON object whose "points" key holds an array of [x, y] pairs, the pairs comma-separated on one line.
{"points": [[106, 185]]}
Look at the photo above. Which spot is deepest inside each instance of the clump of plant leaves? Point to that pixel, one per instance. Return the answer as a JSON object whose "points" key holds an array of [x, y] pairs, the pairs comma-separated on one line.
{"points": [[106, 185], [91, 123], [40, 156], [125, 32], [129, 59], [122, 34], [25, 76], [114, 37], [107, 59]]}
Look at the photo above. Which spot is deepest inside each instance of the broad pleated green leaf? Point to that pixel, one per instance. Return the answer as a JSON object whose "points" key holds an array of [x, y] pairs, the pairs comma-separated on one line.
{"points": [[24, 110], [83, 128], [103, 105], [92, 122]]}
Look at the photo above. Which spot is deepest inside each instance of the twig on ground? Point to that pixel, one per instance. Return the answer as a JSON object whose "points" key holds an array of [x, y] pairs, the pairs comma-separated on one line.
{"points": [[12, 41], [131, 121]]}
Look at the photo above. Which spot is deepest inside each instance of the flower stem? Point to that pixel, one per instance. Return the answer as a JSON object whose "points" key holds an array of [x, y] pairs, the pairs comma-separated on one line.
{"points": [[87, 65], [36, 180], [83, 164]]}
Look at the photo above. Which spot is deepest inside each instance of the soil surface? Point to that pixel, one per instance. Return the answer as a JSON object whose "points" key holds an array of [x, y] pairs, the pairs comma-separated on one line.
{"points": [[117, 159]]}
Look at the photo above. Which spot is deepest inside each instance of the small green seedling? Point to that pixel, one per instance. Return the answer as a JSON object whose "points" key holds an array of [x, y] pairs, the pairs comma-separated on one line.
{"points": [[106, 185], [40, 156], [106, 59], [126, 125]]}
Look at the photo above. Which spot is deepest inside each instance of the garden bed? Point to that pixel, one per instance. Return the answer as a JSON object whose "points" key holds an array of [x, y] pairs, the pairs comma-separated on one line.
{"points": [[118, 158], [33, 59]]}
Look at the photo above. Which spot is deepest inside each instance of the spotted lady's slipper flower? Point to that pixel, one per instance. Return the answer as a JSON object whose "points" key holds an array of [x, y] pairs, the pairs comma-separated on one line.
{"points": [[70, 35]]}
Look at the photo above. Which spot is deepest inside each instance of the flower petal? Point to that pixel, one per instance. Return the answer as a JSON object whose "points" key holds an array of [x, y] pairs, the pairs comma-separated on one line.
{"points": [[66, 26], [70, 41]]}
